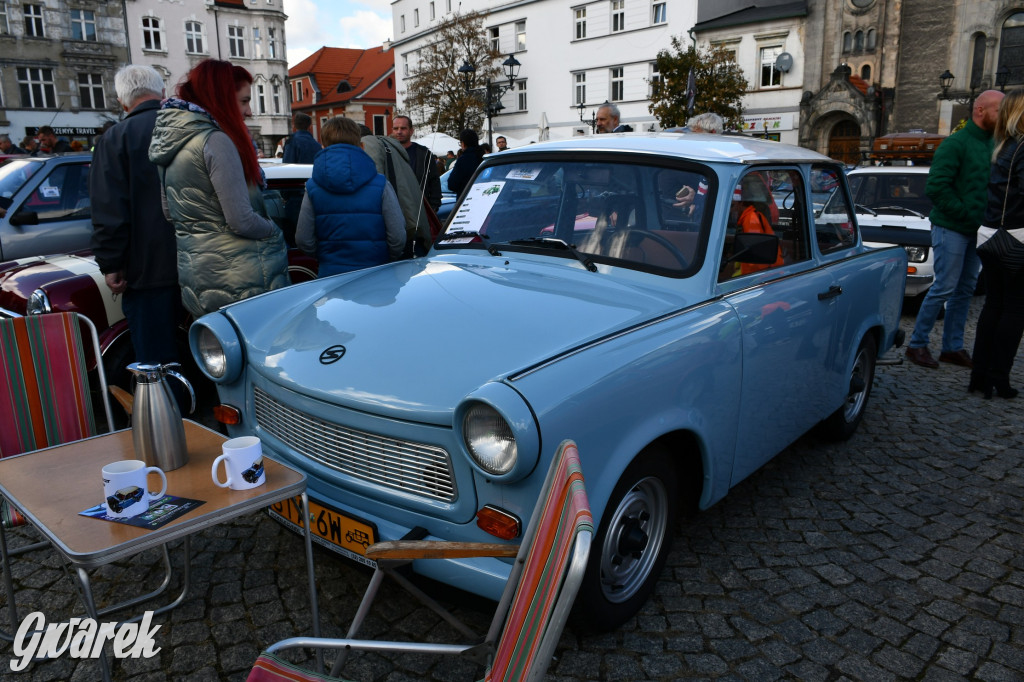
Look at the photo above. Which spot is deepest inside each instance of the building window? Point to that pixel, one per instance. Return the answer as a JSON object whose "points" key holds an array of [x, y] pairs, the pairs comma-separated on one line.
{"points": [[401, 22], [34, 21], [770, 76], [298, 91], [236, 41], [872, 39], [152, 34], [847, 42], [581, 88], [858, 41], [495, 37], [655, 78], [658, 13], [432, 15], [271, 43], [521, 95], [405, 65], [617, 84], [380, 123], [5, 27], [520, 36], [448, 6], [415, 18], [977, 60], [618, 15], [276, 94], [37, 90], [83, 24], [257, 44], [90, 91], [581, 23], [193, 37], [865, 72]]}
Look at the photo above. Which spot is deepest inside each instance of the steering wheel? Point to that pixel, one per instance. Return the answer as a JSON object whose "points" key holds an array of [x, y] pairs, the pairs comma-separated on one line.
{"points": [[626, 235]]}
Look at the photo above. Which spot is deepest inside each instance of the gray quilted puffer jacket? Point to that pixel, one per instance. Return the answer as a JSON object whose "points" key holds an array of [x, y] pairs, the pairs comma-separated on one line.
{"points": [[216, 266]]}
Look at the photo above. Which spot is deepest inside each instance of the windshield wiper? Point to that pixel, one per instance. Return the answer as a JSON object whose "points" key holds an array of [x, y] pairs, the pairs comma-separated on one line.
{"points": [[862, 207], [459, 234], [558, 244]]}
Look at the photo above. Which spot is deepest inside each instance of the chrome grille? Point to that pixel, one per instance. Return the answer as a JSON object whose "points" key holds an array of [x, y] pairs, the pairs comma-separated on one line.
{"points": [[414, 468]]}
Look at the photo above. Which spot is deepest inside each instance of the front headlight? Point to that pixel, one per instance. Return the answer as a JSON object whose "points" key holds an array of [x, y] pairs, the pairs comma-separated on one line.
{"points": [[490, 439], [917, 254], [211, 354], [216, 348], [38, 303]]}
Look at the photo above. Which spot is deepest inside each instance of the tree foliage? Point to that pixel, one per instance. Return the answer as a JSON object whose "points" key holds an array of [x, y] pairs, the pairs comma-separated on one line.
{"points": [[436, 95], [719, 80]]}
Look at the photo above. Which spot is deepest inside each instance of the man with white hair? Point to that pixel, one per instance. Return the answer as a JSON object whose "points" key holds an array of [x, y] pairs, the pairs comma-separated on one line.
{"points": [[708, 122], [133, 243], [8, 147], [608, 120]]}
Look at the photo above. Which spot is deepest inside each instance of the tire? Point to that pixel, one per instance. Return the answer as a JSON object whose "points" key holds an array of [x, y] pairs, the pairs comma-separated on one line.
{"points": [[632, 543], [842, 423]]}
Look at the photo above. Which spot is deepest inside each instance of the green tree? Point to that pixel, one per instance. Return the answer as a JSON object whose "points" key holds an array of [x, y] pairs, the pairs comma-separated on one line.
{"points": [[720, 85], [436, 94]]}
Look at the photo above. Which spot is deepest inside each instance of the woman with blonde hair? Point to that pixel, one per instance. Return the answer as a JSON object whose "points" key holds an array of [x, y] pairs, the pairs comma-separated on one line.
{"points": [[211, 182], [1001, 250]]}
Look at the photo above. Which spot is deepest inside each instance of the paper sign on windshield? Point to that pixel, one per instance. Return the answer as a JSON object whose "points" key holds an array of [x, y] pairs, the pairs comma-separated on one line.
{"points": [[474, 208]]}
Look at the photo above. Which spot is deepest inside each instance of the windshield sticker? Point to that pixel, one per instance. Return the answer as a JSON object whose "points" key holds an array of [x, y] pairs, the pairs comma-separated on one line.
{"points": [[523, 174], [50, 192], [474, 209]]}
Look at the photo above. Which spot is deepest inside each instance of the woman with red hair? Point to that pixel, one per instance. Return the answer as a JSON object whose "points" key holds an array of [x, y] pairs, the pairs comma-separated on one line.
{"points": [[212, 189]]}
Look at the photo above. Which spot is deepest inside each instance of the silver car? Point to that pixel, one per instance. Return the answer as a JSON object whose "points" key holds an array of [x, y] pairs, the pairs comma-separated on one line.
{"points": [[44, 206]]}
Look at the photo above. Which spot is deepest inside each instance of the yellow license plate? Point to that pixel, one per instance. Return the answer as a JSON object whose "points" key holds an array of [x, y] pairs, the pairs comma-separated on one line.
{"points": [[330, 528]]}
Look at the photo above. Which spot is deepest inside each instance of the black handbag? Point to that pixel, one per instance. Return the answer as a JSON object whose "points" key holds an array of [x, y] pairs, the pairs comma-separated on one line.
{"points": [[1002, 246]]}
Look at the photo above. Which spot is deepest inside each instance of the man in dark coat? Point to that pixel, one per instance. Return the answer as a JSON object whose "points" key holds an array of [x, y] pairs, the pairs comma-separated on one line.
{"points": [[302, 146], [472, 155], [420, 158], [133, 243]]}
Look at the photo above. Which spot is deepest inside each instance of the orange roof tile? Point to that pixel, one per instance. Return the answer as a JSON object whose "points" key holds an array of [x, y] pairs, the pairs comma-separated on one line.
{"points": [[362, 69]]}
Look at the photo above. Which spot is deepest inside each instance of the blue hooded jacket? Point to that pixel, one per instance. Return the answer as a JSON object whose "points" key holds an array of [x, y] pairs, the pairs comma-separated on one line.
{"points": [[346, 191]]}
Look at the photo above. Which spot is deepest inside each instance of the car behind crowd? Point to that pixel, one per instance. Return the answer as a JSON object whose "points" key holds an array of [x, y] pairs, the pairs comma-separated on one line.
{"points": [[573, 295], [892, 208]]}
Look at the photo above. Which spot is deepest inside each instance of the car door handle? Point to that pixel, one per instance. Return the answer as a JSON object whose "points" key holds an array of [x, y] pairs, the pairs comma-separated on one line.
{"points": [[832, 292]]}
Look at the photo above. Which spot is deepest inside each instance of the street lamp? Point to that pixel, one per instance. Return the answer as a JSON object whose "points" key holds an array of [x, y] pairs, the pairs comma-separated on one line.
{"points": [[946, 80], [1002, 77], [493, 92], [593, 118]]}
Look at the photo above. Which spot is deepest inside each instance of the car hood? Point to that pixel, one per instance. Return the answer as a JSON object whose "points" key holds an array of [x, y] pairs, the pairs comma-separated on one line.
{"points": [[19, 278], [418, 336], [883, 220]]}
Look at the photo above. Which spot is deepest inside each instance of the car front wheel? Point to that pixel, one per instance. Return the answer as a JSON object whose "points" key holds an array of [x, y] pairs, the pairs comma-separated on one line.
{"points": [[632, 544]]}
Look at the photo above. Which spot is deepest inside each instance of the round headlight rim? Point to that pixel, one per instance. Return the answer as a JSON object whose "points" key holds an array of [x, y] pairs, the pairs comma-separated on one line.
{"points": [[205, 341], [473, 411], [38, 303]]}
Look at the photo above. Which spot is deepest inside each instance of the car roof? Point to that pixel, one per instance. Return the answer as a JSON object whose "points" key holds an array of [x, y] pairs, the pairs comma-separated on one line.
{"points": [[696, 146], [287, 171], [896, 170]]}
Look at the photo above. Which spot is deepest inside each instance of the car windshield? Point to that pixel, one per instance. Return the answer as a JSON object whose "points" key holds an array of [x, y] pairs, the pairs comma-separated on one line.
{"points": [[901, 194], [12, 176], [642, 216]]}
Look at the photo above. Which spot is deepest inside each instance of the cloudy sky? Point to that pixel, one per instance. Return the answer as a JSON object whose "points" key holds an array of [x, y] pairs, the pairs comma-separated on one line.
{"points": [[313, 24]]}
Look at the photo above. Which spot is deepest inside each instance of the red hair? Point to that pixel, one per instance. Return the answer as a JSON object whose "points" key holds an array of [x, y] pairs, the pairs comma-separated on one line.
{"points": [[212, 84]]}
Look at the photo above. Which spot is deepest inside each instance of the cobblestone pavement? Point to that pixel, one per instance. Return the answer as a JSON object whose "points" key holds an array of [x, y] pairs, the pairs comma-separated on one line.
{"points": [[896, 555]]}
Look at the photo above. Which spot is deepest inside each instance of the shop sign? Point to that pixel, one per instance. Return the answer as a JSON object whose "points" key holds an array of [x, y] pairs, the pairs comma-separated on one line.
{"points": [[776, 122]]}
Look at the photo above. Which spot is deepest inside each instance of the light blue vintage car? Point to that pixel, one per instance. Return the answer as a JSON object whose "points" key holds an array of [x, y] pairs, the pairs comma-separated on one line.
{"points": [[669, 301]]}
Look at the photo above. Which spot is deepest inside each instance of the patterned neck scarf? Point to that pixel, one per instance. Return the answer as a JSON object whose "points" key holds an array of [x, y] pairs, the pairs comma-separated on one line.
{"points": [[184, 105]]}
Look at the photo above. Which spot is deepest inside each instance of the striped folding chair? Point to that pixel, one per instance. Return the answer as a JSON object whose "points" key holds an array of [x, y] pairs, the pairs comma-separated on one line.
{"points": [[45, 397], [548, 569]]}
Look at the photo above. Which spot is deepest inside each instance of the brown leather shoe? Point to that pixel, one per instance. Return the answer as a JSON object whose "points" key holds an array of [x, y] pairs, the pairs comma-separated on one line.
{"points": [[921, 356], [957, 357]]}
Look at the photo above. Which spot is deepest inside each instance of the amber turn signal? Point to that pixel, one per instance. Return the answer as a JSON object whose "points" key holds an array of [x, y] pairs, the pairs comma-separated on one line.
{"points": [[498, 522], [226, 414], [911, 270]]}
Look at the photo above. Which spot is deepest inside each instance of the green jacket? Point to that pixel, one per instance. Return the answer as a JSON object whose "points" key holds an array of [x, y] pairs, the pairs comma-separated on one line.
{"points": [[958, 180], [216, 266]]}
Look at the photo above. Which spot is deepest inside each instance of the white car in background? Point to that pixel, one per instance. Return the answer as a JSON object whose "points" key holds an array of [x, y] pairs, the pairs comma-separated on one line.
{"points": [[892, 208]]}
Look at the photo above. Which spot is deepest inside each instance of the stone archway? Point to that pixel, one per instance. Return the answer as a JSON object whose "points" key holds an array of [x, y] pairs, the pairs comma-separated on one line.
{"points": [[844, 141]]}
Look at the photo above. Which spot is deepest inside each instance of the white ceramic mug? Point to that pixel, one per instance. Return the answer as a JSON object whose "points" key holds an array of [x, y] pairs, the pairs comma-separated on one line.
{"points": [[243, 462], [125, 488]]}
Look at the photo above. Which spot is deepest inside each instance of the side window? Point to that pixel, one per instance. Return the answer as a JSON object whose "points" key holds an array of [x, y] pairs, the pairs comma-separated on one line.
{"points": [[834, 227], [62, 195], [770, 202], [680, 197]]}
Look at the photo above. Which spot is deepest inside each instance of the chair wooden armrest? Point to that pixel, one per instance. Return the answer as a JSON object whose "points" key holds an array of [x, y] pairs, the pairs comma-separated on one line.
{"points": [[123, 397], [435, 549]]}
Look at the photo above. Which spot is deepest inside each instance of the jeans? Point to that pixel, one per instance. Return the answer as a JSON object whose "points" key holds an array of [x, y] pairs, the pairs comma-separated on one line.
{"points": [[956, 275]]}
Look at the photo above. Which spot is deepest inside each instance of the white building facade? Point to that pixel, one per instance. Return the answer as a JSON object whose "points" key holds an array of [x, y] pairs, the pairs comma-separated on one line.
{"points": [[572, 52], [174, 35]]}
